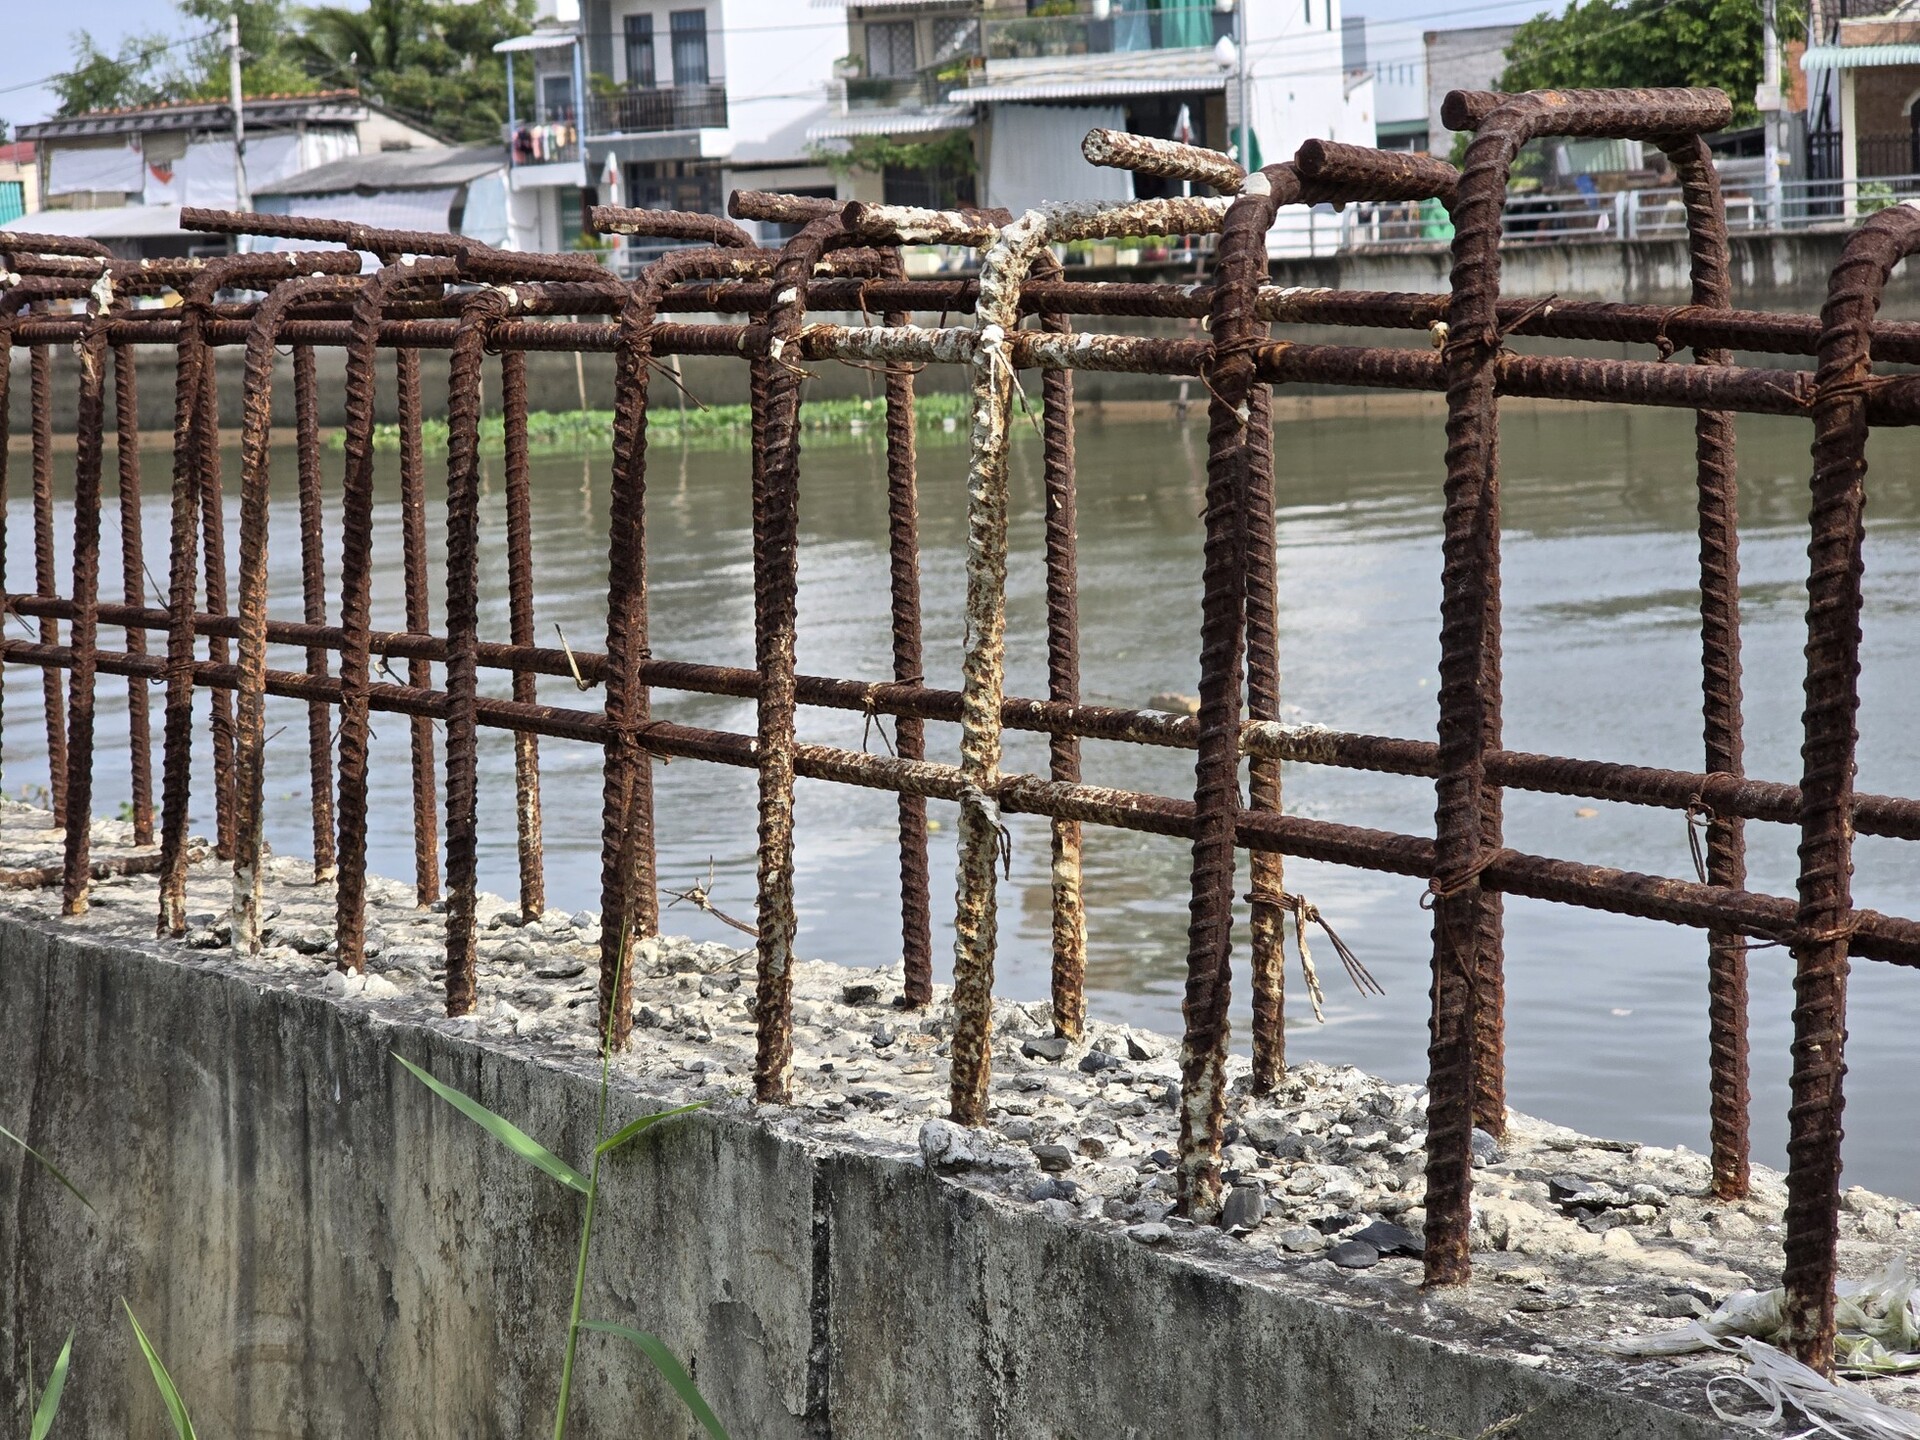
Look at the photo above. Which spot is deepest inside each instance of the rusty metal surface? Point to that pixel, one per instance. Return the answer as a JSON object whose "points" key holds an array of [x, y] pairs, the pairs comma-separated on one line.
{"points": [[837, 293]]}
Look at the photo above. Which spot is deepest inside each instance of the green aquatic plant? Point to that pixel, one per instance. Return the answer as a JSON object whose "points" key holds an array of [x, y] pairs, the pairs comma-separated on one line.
{"points": [[704, 427]]}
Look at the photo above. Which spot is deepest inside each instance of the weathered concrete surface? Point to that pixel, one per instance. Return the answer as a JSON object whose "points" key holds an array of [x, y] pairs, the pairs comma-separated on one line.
{"points": [[1769, 272], [319, 1246]]}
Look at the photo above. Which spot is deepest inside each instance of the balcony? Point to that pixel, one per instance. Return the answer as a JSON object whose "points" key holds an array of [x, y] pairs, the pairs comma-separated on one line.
{"points": [[1124, 29], [920, 90], [640, 112], [631, 112]]}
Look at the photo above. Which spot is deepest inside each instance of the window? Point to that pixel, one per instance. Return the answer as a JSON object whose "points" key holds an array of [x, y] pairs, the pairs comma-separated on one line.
{"points": [[640, 69], [955, 37], [674, 185], [890, 48], [689, 47], [556, 96]]}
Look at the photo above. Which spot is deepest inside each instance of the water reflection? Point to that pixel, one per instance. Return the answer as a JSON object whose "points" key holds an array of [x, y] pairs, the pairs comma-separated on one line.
{"points": [[1607, 1017]]}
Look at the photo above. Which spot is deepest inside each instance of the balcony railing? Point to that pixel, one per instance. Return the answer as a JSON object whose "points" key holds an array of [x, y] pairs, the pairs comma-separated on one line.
{"points": [[921, 90], [1121, 31], [676, 107]]}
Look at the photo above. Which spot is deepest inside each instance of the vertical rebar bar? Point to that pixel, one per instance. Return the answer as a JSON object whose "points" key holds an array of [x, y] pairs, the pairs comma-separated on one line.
{"points": [[46, 583], [464, 399], [1063, 684], [1718, 512], [90, 439], [133, 588], [776, 578], [213, 544], [356, 588], [1835, 567], [1216, 786], [176, 781], [909, 733], [526, 746], [313, 601], [413, 549]]}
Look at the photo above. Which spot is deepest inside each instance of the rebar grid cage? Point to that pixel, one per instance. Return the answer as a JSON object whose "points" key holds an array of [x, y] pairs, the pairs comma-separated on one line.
{"points": [[442, 292]]}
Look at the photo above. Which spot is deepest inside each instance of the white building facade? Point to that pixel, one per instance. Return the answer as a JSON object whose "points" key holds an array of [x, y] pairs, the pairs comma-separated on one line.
{"points": [[666, 104]]}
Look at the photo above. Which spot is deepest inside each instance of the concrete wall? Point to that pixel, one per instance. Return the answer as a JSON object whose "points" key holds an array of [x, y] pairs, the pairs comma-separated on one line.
{"points": [[318, 1246]]}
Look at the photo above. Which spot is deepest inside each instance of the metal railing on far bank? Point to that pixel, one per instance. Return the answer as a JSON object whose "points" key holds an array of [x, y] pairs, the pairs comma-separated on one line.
{"points": [[836, 292]]}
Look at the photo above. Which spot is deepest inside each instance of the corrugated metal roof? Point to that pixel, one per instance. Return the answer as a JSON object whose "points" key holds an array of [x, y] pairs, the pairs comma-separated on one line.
{"points": [[538, 40], [1093, 87], [392, 170], [1858, 57], [891, 122], [337, 106]]}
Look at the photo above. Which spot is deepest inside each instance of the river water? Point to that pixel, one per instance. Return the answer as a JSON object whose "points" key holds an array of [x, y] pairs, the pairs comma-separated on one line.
{"points": [[1606, 1016]]}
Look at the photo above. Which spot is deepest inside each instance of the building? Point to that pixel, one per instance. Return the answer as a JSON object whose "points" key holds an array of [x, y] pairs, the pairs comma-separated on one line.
{"points": [[463, 191], [666, 104], [121, 176], [1026, 82], [895, 84], [19, 181], [1863, 91], [1469, 59], [1394, 55]]}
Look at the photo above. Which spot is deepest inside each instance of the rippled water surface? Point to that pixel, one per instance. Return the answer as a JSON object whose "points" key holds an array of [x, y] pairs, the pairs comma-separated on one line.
{"points": [[1606, 1019]]}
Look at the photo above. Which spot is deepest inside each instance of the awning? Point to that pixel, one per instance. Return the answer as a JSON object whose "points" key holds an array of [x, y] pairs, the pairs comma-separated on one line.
{"points": [[1113, 87], [1858, 57], [538, 40], [891, 122], [120, 222]]}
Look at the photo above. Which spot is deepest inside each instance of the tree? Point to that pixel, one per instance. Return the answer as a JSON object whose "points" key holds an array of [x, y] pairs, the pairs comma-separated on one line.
{"points": [[1648, 42], [99, 81], [431, 60]]}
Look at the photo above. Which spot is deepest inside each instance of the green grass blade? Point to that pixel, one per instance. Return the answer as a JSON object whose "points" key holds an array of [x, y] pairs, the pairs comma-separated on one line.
{"points": [[49, 1405], [670, 1371], [642, 1125], [507, 1133], [46, 1164], [176, 1407]]}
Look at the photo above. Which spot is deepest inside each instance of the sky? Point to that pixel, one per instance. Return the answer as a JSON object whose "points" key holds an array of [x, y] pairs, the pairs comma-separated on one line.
{"points": [[40, 34]]}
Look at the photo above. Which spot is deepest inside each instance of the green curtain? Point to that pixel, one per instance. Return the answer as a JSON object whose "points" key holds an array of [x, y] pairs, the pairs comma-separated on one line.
{"points": [[1185, 23]]}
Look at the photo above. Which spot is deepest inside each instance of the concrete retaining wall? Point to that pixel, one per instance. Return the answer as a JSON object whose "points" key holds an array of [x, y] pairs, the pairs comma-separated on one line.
{"points": [[319, 1247]]}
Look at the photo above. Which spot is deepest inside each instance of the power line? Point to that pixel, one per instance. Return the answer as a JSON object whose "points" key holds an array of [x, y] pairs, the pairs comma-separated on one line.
{"points": [[149, 53]]}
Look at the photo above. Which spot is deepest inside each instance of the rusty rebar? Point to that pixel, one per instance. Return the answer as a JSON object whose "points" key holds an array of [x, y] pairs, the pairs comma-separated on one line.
{"points": [[413, 567], [1465, 1080], [46, 582], [1718, 512], [133, 582], [1069, 911], [909, 733], [313, 602], [90, 424], [213, 549], [1826, 916], [250, 740], [481, 310], [776, 522], [356, 580], [526, 748]]}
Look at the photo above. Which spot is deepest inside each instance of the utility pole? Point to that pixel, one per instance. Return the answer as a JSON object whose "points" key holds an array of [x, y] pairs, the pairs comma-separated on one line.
{"points": [[242, 199], [1246, 98], [1768, 102]]}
